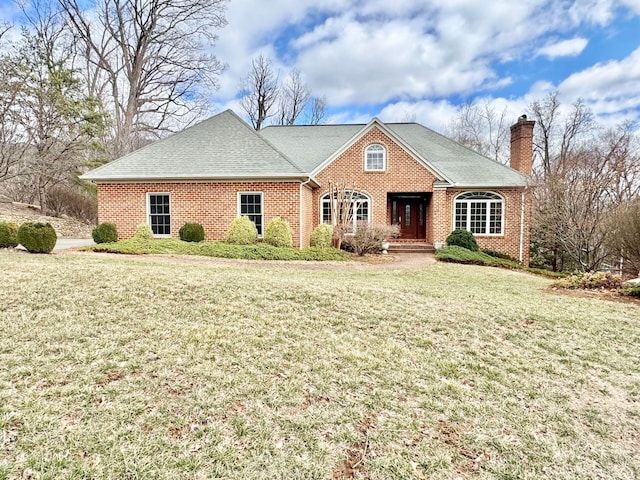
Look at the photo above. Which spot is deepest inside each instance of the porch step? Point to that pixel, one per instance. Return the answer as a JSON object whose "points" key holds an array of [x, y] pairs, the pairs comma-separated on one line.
{"points": [[410, 247]]}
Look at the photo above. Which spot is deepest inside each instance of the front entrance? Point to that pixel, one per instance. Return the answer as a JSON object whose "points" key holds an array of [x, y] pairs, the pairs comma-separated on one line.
{"points": [[409, 211]]}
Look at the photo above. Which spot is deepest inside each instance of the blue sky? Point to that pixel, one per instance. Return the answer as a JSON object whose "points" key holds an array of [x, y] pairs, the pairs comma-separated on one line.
{"points": [[412, 59]]}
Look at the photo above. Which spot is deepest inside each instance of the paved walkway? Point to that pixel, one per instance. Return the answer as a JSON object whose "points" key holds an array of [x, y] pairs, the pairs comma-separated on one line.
{"points": [[66, 243]]}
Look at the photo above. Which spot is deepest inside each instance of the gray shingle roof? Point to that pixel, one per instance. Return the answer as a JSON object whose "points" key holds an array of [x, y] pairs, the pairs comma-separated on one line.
{"points": [[310, 145], [462, 166], [224, 146]]}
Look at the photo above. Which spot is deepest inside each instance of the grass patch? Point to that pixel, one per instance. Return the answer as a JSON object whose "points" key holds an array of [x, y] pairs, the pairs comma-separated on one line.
{"points": [[259, 251], [134, 367]]}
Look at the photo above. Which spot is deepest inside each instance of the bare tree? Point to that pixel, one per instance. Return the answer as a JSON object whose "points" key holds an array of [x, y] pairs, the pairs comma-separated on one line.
{"points": [[621, 148], [318, 110], [574, 208], [556, 137], [262, 97], [624, 224], [480, 127], [260, 91], [343, 205], [294, 98], [147, 60]]}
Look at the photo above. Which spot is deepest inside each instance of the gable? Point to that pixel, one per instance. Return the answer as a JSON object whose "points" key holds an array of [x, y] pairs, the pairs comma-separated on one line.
{"points": [[402, 172]]}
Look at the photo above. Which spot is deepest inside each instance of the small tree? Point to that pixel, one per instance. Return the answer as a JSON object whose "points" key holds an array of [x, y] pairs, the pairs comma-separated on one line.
{"points": [[343, 206]]}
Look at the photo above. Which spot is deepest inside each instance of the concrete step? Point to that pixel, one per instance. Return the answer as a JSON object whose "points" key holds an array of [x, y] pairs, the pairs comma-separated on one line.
{"points": [[405, 247]]}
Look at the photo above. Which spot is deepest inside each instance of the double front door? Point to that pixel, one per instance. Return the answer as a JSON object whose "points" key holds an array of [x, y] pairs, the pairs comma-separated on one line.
{"points": [[410, 215]]}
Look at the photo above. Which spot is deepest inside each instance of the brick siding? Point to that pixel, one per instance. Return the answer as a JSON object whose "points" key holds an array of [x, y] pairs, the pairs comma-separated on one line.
{"points": [[212, 204]]}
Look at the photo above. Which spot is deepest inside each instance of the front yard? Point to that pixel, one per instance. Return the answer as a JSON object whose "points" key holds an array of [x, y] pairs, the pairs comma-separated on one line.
{"points": [[140, 368]]}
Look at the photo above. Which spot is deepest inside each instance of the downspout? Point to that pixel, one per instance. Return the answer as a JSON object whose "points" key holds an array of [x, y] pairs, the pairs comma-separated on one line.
{"points": [[302, 184], [521, 256]]}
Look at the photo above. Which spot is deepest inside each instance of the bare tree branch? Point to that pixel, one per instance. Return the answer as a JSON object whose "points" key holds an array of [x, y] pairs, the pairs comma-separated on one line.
{"points": [[147, 60], [260, 91]]}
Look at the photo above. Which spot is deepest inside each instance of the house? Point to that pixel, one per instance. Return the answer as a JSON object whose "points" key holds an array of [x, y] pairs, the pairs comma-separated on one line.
{"points": [[406, 174]]}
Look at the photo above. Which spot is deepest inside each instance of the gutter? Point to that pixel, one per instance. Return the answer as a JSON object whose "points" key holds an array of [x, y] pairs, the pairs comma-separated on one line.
{"points": [[521, 254], [302, 184]]}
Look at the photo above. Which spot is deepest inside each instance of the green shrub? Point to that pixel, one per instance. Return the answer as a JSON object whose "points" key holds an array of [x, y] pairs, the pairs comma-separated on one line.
{"points": [[456, 254], [191, 232], [632, 290], [368, 238], [37, 237], [242, 231], [278, 233], [257, 251], [589, 281], [321, 236], [8, 234], [464, 239], [144, 232], [493, 253], [105, 233]]}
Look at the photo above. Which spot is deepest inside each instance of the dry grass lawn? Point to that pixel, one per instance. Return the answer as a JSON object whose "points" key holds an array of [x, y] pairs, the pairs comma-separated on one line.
{"points": [[122, 368]]}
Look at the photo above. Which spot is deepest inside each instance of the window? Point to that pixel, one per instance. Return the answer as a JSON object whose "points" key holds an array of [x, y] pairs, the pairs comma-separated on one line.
{"points": [[479, 212], [357, 210], [159, 213], [250, 205], [374, 158]]}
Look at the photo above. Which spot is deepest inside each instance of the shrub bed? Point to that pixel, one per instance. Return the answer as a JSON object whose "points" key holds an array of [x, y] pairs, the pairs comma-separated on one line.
{"points": [[37, 237], [457, 254], [258, 251], [590, 281]]}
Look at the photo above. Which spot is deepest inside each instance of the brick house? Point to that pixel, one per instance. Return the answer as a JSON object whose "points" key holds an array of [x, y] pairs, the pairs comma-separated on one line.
{"points": [[407, 175]]}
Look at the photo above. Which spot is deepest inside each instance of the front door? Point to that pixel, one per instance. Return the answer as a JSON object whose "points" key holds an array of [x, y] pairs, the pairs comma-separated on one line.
{"points": [[410, 216]]}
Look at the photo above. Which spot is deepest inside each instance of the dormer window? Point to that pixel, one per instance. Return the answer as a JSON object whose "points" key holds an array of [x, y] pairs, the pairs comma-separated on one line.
{"points": [[375, 158]]}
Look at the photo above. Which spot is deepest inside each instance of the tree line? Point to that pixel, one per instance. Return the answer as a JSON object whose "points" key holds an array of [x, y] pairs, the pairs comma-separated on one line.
{"points": [[585, 185]]}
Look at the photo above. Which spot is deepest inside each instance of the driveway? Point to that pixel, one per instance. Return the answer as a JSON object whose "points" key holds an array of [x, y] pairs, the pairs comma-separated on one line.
{"points": [[66, 243]]}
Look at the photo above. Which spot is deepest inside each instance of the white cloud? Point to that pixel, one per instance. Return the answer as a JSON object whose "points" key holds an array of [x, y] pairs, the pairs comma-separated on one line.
{"points": [[564, 48], [608, 88], [435, 115], [365, 54]]}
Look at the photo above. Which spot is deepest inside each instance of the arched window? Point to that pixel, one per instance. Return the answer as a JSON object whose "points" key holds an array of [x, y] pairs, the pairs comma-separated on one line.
{"points": [[354, 207], [482, 213], [375, 158]]}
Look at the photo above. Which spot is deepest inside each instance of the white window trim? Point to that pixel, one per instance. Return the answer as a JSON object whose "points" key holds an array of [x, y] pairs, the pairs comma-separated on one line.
{"points": [[239, 214], [149, 213], [488, 203], [384, 158], [355, 221]]}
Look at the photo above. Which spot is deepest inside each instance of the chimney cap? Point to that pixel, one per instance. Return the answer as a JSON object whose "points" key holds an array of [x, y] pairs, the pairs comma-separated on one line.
{"points": [[523, 118]]}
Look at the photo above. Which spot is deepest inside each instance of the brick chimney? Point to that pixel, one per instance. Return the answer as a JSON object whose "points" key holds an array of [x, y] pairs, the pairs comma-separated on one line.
{"points": [[522, 145]]}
